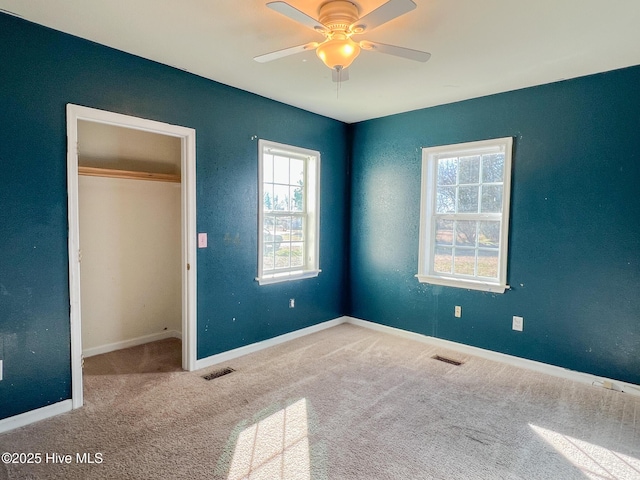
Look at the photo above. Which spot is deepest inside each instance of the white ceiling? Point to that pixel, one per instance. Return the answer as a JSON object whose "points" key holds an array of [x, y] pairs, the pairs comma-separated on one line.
{"points": [[478, 47]]}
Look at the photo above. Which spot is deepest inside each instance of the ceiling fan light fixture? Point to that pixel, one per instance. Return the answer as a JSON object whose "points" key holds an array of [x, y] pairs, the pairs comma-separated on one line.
{"points": [[338, 52], [337, 21]]}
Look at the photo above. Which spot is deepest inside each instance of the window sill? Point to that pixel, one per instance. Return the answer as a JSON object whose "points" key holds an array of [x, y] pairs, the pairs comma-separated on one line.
{"points": [[287, 277], [458, 283]]}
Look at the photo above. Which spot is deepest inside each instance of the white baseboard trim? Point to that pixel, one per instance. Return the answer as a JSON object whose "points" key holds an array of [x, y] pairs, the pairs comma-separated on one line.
{"points": [[133, 342], [540, 367], [255, 347], [585, 378], [34, 415]]}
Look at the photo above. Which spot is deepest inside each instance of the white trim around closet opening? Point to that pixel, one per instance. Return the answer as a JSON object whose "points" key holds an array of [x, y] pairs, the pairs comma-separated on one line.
{"points": [[188, 200]]}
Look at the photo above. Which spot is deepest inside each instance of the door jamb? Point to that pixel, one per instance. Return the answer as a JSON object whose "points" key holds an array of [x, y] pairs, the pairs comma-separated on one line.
{"points": [[188, 228]]}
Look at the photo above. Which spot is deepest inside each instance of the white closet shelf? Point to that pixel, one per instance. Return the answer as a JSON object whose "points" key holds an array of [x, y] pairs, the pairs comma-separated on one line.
{"points": [[132, 175]]}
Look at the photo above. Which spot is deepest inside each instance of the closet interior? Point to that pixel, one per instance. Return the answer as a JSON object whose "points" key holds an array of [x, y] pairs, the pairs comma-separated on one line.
{"points": [[129, 196]]}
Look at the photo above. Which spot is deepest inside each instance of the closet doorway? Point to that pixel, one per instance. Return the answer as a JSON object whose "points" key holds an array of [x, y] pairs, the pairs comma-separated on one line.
{"points": [[131, 187]]}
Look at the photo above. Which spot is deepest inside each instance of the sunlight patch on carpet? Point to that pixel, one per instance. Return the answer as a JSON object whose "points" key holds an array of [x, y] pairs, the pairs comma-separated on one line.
{"points": [[275, 448], [594, 462]]}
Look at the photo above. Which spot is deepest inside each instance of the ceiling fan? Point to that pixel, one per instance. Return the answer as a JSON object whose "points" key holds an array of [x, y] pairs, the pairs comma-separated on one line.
{"points": [[338, 21]]}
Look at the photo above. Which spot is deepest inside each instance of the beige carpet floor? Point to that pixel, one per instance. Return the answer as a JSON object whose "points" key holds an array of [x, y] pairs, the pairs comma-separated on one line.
{"points": [[344, 403]]}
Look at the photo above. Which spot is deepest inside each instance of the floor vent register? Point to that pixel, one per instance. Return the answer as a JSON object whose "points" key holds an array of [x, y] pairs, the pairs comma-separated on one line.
{"points": [[218, 373]]}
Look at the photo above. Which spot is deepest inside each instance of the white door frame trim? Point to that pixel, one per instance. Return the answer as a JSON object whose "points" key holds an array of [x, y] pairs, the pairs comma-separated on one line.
{"points": [[188, 200]]}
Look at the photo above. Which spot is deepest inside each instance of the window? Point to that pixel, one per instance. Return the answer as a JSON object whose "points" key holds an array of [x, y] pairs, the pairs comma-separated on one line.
{"points": [[464, 215], [289, 212]]}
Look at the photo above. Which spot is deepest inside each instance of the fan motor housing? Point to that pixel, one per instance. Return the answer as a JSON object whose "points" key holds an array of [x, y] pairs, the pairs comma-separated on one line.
{"points": [[338, 15]]}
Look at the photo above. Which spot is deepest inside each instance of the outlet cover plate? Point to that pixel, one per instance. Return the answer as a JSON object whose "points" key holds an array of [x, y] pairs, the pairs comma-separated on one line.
{"points": [[518, 323]]}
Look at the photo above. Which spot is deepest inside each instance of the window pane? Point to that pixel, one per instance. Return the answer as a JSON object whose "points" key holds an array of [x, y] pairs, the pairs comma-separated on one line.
{"points": [[491, 199], [297, 229], [268, 257], [488, 263], [282, 227], [282, 257], [469, 168], [466, 232], [296, 194], [282, 241], [297, 254], [444, 232], [270, 244], [284, 231], [446, 200], [268, 227], [447, 171], [281, 197], [492, 167], [468, 199], [296, 172], [267, 167], [281, 169], [489, 235], [464, 261], [442, 260], [267, 197]]}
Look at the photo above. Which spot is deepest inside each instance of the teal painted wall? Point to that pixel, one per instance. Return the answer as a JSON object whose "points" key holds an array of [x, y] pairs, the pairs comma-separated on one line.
{"points": [[575, 224], [42, 70]]}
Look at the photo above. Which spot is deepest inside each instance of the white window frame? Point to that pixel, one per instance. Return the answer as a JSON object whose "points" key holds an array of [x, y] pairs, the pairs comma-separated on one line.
{"points": [[428, 215], [311, 267]]}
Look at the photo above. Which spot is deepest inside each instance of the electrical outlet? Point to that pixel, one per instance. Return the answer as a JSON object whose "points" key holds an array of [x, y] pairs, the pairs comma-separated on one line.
{"points": [[292, 303], [518, 323], [0, 369], [458, 311]]}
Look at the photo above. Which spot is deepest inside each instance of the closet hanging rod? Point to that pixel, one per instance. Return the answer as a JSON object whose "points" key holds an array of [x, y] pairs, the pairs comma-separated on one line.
{"points": [[128, 174]]}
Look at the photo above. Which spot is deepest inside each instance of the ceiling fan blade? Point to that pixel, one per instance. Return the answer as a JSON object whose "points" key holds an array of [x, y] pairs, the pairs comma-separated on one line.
{"points": [[383, 14], [294, 14], [417, 55], [267, 57], [339, 76]]}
